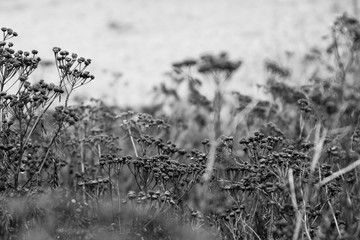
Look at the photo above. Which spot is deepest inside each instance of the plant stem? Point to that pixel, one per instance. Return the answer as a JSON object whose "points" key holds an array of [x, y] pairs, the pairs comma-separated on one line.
{"points": [[132, 141]]}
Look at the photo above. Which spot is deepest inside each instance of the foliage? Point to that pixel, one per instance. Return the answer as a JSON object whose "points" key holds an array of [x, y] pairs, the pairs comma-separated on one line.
{"points": [[222, 165]]}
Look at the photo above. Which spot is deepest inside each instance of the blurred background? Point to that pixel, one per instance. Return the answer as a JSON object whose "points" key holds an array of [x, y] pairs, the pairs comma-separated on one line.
{"points": [[133, 43]]}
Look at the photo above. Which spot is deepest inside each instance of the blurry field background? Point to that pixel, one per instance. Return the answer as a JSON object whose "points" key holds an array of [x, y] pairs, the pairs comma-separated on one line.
{"points": [[141, 38]]}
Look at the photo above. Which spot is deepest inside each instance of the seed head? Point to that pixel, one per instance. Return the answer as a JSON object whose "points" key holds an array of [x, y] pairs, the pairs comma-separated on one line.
{"points": [[22, 78], [56, 50]]}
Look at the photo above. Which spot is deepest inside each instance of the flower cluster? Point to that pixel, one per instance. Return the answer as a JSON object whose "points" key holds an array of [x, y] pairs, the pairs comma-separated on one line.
{"points": [[97, 171], [72, 68]]}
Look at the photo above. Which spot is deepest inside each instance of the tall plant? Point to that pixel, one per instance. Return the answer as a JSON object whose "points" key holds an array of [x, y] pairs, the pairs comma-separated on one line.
{"points": [[23, 108]]}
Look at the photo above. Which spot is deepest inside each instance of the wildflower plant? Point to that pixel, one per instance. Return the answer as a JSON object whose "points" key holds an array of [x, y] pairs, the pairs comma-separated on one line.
{"points": [[23, 109], [287, 170]]}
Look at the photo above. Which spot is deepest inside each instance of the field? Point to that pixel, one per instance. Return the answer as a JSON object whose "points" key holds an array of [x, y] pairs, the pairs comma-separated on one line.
{"points": [[140, 40], [207, 159]]}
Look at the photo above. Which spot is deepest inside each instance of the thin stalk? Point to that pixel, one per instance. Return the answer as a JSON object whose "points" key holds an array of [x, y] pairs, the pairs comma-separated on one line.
{"points": [[338, 58], [1, 107], [217, 112], [110, 186], [45, 157], [38, 120], [16, 176], [132, 140], [335, 220], [319, 140], [82, 153]]}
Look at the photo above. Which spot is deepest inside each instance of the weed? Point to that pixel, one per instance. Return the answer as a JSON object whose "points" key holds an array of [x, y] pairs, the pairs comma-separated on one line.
{"points": [[217, 166]]}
